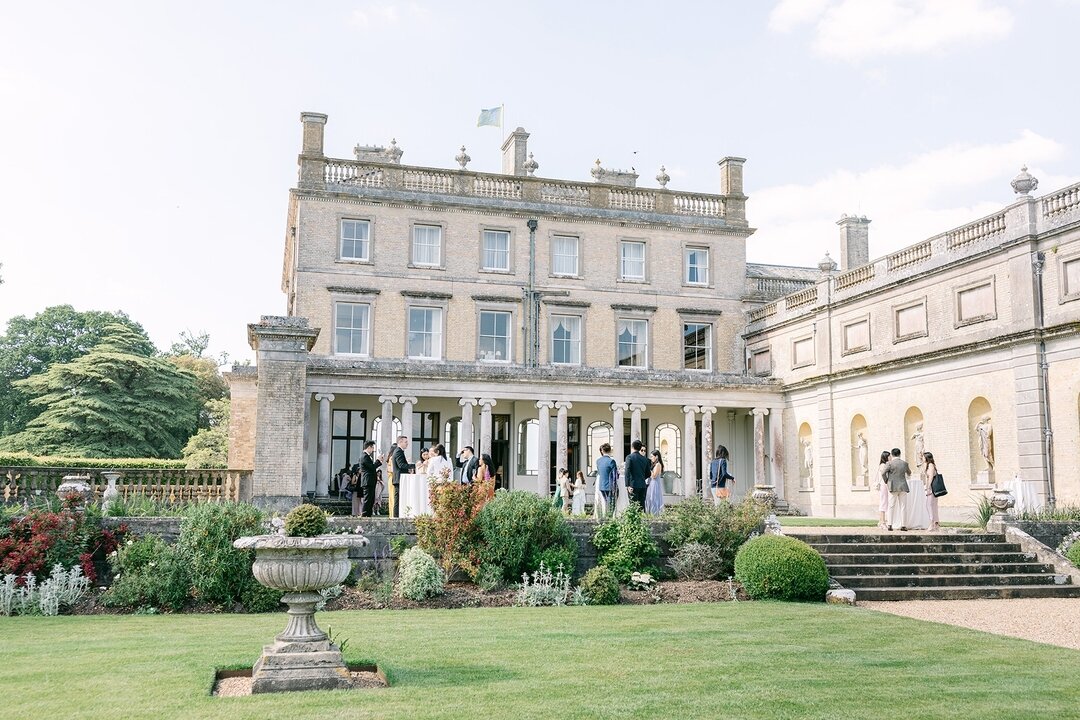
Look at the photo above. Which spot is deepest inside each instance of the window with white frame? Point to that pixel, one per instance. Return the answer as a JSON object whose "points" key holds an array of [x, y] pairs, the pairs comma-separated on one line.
{"points": [[427, 245], [564, 255], [566, 339], [696, 265], [352, 328], [496, 251], [425, 333], [697, 346], [355, 240], [494, 336], [633, 337], [632, 260]]}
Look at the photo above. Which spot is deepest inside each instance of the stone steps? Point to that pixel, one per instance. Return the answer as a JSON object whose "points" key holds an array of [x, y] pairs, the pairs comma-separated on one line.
{"points": [[936, 566]]}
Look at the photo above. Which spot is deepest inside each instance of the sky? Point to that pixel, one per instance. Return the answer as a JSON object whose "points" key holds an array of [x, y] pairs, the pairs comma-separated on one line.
{"points": [[147, 148]]}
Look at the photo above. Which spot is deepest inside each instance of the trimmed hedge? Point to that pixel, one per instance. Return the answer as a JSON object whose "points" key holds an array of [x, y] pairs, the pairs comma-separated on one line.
{"points": [[778, 567], [26, 460], [600, 586]]}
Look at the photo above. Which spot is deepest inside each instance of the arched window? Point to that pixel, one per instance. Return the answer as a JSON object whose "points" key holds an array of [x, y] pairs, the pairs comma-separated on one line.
{"points": [[452, 437], [669, 443], [376, 429], [528, 448], [599, 433]]}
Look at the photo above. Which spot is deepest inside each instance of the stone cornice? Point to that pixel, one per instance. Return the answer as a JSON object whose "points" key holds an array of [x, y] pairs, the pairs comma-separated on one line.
{"points": [[633, 307], [353, 290], [496, 298], [566, 302], [427, 294]]}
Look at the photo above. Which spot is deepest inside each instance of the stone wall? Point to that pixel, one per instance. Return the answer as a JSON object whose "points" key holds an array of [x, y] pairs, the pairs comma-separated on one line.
{"points": [[1048, 533]]}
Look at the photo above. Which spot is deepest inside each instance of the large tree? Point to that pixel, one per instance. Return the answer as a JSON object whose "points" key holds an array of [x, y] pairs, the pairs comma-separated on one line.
{"points": [[58, 334], [114, 401]]}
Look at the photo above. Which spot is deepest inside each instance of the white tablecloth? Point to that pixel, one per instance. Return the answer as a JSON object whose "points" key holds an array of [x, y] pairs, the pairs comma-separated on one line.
{"points": [[917, 515], [1026, 494], [414, 496]]}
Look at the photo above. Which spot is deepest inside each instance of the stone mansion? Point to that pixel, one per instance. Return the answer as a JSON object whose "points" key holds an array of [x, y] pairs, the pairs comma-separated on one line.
{"points": [[536, 319]]}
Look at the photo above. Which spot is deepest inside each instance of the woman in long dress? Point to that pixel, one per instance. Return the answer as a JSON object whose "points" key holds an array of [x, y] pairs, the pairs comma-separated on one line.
{"points": [[930, 470], [579, 494], [883, 491], [654, 496], [438, 465], [566, 489], [622, 495], [561, 479]]}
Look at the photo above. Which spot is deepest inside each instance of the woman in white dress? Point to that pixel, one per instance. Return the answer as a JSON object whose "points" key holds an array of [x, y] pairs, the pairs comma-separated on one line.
{"points": [[883, 491], [622, 495], [579, 494], [438, 465]]}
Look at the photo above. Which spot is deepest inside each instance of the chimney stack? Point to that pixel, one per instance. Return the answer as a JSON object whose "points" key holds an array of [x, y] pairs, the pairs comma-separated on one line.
{"points": [[313, 132], [854, 241], [515, 154], [731, 187]]}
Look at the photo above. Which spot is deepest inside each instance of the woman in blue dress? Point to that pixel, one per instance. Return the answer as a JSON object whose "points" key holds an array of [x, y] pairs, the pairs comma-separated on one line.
{"points": [[654, 496]]}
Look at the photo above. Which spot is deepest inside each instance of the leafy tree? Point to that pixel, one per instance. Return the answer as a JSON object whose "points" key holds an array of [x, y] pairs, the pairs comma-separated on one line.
{"points": [[209, 447], [114, 401], [209, 385], [58, 334]]}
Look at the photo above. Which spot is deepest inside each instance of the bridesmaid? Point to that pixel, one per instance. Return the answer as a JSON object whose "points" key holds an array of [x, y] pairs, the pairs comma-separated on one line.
{"points": [[883, 491], [929, 471], [654, 497]]}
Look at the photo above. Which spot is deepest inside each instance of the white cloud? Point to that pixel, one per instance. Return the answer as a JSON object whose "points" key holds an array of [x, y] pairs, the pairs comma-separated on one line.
{"points": [[853, 30], [908, 203], [374, 15]]}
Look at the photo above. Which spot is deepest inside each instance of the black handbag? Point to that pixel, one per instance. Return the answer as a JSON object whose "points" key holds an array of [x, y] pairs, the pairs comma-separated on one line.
{"points": [[937, 486]]}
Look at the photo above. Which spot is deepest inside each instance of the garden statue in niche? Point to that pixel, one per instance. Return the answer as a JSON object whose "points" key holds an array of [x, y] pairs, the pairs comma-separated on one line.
{"points": [[985, 431], [301, 561], [920, 444], [861, 445]]}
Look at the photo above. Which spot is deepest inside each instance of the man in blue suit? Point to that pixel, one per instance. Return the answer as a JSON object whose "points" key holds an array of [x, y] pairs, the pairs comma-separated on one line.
{"points": [[606, 474]]}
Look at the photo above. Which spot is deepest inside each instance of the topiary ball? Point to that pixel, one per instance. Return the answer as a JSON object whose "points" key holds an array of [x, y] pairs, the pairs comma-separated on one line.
{"points": [[778, 567], [600, 586], [305, 521]]}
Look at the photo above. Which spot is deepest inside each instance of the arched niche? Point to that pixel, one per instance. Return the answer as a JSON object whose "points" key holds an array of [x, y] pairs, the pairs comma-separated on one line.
{"points": [[915, 443], [806, 456], [981, 441], [376, 434], [860, 453], [668, 440], [599, 432]]}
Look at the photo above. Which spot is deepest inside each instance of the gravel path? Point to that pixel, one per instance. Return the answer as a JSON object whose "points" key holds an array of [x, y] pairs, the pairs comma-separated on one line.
{"points": [[1055, 621]]}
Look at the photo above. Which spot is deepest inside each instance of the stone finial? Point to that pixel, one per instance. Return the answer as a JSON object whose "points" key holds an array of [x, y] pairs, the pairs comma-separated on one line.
{"points": [[462, 158], [827, 264], [531, 165], [1024, 183], [394, 152], [663, 178], [598, 171]]}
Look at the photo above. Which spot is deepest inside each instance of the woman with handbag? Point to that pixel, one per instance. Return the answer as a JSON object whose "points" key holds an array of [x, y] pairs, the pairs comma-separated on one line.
{"points": [[931, 471]]}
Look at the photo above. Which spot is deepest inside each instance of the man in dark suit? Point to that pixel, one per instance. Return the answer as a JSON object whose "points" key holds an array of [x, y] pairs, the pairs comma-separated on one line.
{"points": [[468, 463], [637, 474], [402, 466], [369, 466]]}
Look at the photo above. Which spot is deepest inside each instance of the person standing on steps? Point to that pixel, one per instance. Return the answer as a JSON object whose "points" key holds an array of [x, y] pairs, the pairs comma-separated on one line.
{"points": [[929, 471], [402, 466], [637, 474], [883, 490], [897, 471]]}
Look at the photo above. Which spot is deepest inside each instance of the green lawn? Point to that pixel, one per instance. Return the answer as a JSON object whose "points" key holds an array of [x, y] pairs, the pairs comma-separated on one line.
{"points": [[735, 660]]}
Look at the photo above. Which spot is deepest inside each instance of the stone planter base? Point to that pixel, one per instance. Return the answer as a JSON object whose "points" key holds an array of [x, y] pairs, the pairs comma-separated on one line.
{"points": [[288, 666]]}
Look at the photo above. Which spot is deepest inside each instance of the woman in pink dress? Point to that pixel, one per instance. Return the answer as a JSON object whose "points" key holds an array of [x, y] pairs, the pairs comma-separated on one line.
{"points": [[883, 491]]}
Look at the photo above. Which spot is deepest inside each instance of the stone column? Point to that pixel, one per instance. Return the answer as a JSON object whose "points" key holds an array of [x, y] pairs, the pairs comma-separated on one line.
{"points": [[635, 421], [407, 421], [618, 436], [543, 448], [776, 450], [281, 346], [467, 405], [706, 447], [759, 444], [688, 473], [562, 436], [322, 457], [485, 424], [386, 426]]}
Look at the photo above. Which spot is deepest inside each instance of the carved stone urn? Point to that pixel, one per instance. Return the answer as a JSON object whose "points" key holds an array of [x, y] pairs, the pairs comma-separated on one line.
{"points": [[765, 494], [111, 494], [302, 656], [1002, 500], [75, 485]]}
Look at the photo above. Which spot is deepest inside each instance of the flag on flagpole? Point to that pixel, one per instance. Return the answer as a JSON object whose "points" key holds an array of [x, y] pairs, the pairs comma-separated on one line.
{"points": [[492, 116]]}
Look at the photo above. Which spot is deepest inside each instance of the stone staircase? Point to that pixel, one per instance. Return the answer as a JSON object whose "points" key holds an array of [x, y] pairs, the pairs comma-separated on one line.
{"points": [[917, 566]]}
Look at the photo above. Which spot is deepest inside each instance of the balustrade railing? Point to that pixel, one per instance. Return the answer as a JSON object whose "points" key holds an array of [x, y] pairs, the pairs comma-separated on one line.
{"points": [[909, 256], [468, 183], [978, 230], [779, 286], [174, 486], [762, 313], [855, 277], [799, 299], [1061, 202]]}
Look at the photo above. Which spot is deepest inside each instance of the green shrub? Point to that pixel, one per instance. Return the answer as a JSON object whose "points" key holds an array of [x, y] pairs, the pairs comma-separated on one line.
{"points": [[982, 512], [20, 459], [600, 586], [219, 572], [697, 561], [1073, 554], [148, 573], [724, 527], [625, 545], [490, 578], [400, 543], [547, 588], [257, 598], [419, 576], [1058, 513], [519, 529], [781, 568], [305, 520]]}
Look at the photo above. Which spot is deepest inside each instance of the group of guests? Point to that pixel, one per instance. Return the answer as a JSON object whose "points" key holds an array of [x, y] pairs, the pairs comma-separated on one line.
{"points": [[364, 484], [893, 490]]}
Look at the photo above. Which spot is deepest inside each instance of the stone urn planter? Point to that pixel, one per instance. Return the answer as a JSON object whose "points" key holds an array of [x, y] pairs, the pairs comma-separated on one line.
{"points": [[111, 494], [302, 656], [75, 485], [765, 494]]}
